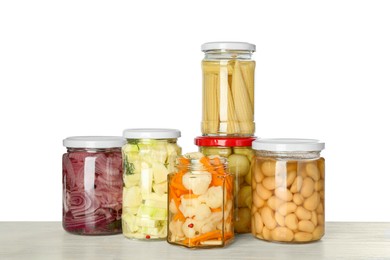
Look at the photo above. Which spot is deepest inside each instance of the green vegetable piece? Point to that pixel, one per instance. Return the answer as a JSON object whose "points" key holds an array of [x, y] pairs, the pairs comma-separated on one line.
{"points": [[238, 164]]}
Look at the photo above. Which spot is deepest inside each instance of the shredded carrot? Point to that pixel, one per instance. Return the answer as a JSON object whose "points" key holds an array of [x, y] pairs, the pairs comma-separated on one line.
{"points": [[216, 234], [179, 216], [216, 179], [178, 185], [190, 196], [177, 181], [220, 170], [228, 235], [172, 195], [205, 161], [216, 209], [217, 162], [183, 160], [229, 184]]}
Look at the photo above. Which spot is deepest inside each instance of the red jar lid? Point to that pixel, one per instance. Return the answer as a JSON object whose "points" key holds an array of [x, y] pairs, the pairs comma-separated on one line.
{"points": [[224, 141]]}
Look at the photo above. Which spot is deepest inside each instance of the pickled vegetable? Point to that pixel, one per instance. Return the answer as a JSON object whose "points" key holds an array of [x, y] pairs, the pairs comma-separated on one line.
{"points": [[292, 208], [92, 202], [200, 202], [228, 97], [239, 163], [147, 163]]}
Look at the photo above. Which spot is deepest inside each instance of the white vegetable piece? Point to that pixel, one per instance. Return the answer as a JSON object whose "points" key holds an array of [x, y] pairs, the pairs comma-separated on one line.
{"points": [[132, 180], [214, 197], [146, 179], [160, 173], [198, 182], [129, 221], [202, 212], [160, 188], [159, 152], [187, 230], [215, 217], [208, 228], [176, 228], [173, 151], [132, 197], [189, 206]]}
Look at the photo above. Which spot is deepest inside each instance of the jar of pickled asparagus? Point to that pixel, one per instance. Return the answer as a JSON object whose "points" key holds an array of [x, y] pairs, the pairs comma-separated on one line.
{"points": [[200, 202], [288, 183], [92, 185], [239, 153], [148, 157], [228, 89]]}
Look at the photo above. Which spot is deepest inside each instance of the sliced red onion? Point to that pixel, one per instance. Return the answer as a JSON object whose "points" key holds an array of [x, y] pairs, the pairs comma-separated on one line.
{"points": [[94, 209]]}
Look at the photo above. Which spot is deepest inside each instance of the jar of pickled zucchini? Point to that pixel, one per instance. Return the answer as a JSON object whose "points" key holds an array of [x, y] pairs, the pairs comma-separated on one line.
{"points": [[228, 89], [92, 185], [200, 202], [288, 183], [238, 151], [148, 156]]}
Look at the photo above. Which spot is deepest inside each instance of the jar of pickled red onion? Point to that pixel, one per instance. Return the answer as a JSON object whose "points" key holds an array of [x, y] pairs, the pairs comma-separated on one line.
{"points": [[92, 185]]}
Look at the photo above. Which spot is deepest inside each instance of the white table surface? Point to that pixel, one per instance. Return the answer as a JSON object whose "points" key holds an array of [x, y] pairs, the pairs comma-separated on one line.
{"points": [[47, 240]]}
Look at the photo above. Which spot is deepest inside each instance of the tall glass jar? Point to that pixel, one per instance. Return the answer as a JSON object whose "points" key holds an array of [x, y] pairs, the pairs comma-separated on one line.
{"points": [[288, 183], [200, 202], [228, 89], [238, 151], [92, 185], [148, 157]]}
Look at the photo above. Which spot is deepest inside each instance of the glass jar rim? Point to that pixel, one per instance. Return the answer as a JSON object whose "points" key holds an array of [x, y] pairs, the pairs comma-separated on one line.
{"points": [[288, 145], [151, 133], [94, 142], [237, 46], [201, 164]]}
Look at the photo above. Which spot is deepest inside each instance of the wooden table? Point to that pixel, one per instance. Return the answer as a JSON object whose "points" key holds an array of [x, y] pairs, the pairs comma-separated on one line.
{"points": [[47, 240]]}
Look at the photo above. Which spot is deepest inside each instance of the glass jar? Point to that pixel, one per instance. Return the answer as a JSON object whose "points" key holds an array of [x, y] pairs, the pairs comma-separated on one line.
{"points": [[92, 185], [200, 202], [288, 183], [148, 157], [239, 154], [228, 89]]}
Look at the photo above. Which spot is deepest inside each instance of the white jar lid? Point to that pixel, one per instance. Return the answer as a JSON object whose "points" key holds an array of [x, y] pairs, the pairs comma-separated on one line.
{"points": [[239, 46], [151, 133], [94, 142], [287, 145]]}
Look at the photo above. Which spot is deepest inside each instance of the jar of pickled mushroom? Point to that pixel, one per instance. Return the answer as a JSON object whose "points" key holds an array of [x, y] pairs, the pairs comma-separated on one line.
{"points": [[148, 156], [200, 202], [239, 153], [288, 183], [228, 89], [92, 185]]}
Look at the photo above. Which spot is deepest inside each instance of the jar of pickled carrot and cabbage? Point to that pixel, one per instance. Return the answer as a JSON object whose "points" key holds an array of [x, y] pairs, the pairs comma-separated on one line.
{"points": [[148, 156], [200, 202], [92, 185], [228, 89]]}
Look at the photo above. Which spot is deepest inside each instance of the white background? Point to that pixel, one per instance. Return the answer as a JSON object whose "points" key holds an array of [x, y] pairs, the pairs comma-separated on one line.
{"points": [[97, 67]]}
